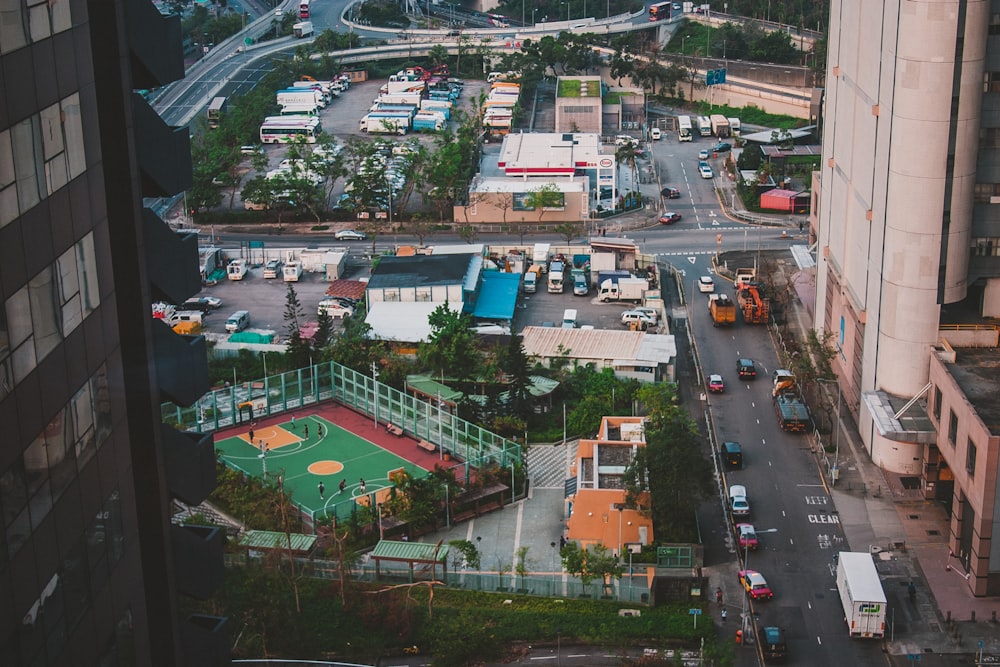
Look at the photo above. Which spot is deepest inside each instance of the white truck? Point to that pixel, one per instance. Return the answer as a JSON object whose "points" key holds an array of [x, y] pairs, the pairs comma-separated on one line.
{"points": [[376, 123], [303, 29], [399, 98], [624, 289], [540, 255], [861, 595], [313, 96]]}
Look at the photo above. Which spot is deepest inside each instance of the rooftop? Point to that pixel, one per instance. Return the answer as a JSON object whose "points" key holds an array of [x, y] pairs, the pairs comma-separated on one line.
{"points": [[605, 344], [975, 370], [420, 270]]}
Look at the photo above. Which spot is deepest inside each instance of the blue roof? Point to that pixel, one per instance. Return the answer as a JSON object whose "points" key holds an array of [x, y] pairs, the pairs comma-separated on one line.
{"points": [[497, 296]]}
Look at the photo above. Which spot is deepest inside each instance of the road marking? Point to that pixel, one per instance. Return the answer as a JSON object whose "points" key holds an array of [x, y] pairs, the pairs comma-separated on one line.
{"points": [[692, 259]]}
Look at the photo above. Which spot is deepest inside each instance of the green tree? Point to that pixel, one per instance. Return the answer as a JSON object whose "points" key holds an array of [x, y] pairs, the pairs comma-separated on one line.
{"points": [[544, 196], [451, 347], [597, 562], [324, 331], [297, 349], [517, 371]]}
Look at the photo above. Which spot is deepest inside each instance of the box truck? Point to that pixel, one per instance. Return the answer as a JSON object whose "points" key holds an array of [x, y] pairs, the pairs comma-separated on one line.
{"points": [[861, 595], [302, 29], [376, 123], [622, 289]]}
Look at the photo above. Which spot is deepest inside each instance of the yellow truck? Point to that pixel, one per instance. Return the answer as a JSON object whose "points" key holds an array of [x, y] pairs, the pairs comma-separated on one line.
{"points": [[722, 308]]}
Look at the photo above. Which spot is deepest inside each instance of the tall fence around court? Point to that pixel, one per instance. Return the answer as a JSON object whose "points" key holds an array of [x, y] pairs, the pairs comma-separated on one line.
{"points": [[276, 394]]}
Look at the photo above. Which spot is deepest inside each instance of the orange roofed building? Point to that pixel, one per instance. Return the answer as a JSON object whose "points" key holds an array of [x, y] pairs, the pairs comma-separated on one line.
{"points": [[597, 510]]}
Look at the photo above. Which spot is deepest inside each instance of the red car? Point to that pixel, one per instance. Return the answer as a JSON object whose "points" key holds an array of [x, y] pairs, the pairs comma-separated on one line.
{"points": [[716, 384], [669, 218], [755, 584], [747, 535]]}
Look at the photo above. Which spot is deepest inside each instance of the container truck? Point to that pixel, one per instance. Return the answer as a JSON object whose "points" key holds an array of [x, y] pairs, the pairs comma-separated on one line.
{"points": [[735, 126], [300, 96], [861, 595], [400, 98], [704, 126], [625, 289], [425, 122], [540, 255], [444, 106], [385, 106], [720, 125], [395, 87], [379, 123], [302, 29]]}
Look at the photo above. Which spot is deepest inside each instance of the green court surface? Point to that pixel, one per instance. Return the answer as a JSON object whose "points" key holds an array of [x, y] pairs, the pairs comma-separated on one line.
{"points": [[303, 462]]}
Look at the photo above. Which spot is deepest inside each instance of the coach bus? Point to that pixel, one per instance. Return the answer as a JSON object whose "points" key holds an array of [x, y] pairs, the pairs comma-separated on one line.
{"points": [[659, 11], [285, 129], [684, 128], [303, 9], [215, 110]]}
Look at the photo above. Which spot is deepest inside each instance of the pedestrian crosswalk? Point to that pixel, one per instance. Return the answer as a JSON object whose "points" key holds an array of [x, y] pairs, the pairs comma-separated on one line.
{"points": [[548, 465]]}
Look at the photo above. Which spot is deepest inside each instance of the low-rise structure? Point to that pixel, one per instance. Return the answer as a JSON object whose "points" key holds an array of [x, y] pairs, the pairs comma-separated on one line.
{"points": [[635, 355]]}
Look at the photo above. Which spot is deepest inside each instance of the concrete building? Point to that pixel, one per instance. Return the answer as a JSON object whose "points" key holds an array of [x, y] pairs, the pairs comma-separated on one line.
{"points": [[907, 221], [579, 104], [91, 566], [598, 513]]}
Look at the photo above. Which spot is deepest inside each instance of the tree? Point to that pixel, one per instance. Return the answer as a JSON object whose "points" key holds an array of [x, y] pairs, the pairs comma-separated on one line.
{"points": [[568, 230], [297, 349], [517, 372], [324, 331], [451, 347], [596, 563], [545, 196]]}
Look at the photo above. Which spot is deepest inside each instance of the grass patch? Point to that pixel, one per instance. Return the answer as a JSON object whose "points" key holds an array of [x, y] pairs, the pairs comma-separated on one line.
{"points": [[319, 228], [569, 88]]}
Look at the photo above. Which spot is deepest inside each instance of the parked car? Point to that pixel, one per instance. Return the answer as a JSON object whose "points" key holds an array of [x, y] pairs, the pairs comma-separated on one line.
{"points": [[706, 284], [722, 147], [334, 309], [706, 172], [349, 235], [746, 368], [738, 503], [670, 193], [251, 150], [755, 585], [747, 535], [649, 312], [630, 316], [669, 218], [703, 154], [202, 303], [716, 384]]}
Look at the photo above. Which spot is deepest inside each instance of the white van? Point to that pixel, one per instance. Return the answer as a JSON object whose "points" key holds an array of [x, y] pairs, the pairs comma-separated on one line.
{"points": [[530, 282], [238, 321], [569, 318], [654, 134]]}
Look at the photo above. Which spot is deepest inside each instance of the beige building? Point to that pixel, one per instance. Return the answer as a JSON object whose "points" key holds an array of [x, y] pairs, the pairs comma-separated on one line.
{"points": [[907, 223], [579, 104]]}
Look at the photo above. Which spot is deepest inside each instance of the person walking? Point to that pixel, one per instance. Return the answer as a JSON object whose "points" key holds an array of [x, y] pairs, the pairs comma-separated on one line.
{"points": [[322, 489], [293, 422], [307, 431], [718, 596], [251, 436], [724, 614], [363, 486], [319, 428], [343, 485]]}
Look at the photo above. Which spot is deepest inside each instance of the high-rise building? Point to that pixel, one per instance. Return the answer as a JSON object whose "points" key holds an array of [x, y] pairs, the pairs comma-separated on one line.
{"points": [[908, 243], [91, 568]]}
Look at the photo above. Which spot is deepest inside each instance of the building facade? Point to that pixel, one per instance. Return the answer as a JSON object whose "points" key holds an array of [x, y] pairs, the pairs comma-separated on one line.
{"points": [[90, 565], [906, 222]]}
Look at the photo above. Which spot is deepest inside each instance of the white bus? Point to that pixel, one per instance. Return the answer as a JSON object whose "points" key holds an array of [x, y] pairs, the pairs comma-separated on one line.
{"points": [[215, 110], [684, 128], [284, 129]]}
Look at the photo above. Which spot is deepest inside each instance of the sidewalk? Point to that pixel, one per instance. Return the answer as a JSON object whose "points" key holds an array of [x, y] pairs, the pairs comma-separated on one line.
{"points": [[945, 624]]}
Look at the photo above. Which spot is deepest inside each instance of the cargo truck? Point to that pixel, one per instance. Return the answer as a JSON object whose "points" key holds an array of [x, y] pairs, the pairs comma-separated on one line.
{"points": [[312, 96], [424, 122], [400, 98], [861, 595], [790, 409], [540, 255], [624, 289], [379, 123], [722, 309], [389, 107], [720, 125], [302, 29]]}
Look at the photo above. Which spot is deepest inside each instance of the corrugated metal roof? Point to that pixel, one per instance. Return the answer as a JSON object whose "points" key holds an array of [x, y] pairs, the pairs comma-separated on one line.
{"points": [[271, 539], [582, 343], [410, 551]]}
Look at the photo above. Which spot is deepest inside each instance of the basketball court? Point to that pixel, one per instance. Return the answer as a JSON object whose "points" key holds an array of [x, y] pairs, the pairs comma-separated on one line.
{"points": [[306, 450]]}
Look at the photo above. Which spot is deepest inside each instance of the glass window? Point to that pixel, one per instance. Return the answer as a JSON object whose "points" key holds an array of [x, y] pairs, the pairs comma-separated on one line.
{"points": [[52, 136], [90, 295], [970, 458], [937, 405], [61, 17], [26, 149], [45, 316], [69, 291], [59, 440], [12, 25], [73, 128], [81, 412], [38, 20], [952, 426]]}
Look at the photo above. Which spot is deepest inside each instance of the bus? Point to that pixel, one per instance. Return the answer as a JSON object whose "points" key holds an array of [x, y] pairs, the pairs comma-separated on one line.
{"points": [[215, 110], [659, 11], [684, 128], [499, 20], [285, 129], [303, 9]]}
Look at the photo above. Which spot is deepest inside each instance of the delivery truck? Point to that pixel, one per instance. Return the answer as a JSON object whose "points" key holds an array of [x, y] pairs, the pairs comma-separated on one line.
{"points": [[303, 29], [722, 309], [427, 122], [624, 289], [861, 595], [313, 96]]}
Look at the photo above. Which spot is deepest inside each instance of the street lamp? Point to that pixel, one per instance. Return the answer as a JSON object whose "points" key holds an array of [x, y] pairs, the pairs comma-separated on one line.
{"points": [[533, 15], [684, 45], [835, 471]]}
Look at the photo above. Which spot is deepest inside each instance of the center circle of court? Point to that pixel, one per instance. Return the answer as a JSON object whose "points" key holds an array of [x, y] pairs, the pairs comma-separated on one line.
{"points": [[325, 467]]}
